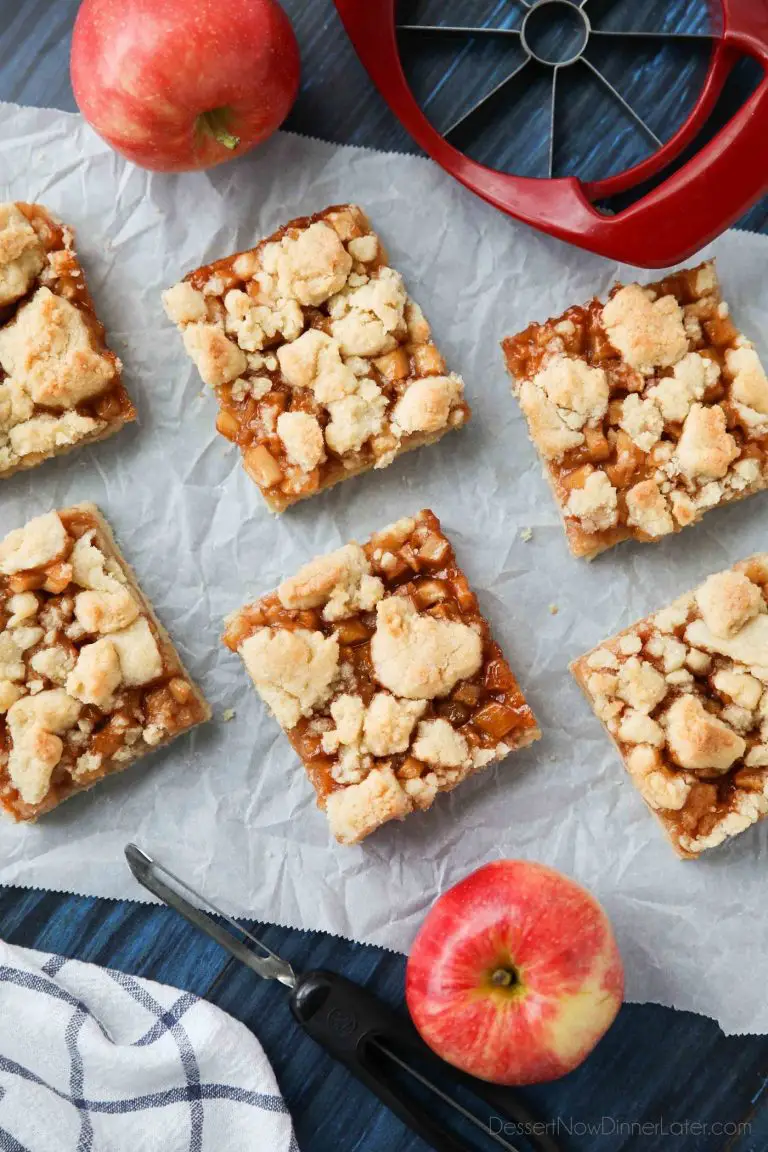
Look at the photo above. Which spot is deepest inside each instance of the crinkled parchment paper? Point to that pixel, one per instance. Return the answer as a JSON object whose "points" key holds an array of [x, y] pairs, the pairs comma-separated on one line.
{"points": [[229, 807]]}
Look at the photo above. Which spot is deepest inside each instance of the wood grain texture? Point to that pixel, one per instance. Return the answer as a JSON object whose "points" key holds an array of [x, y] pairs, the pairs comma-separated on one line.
{"points": [[656, 1067]]}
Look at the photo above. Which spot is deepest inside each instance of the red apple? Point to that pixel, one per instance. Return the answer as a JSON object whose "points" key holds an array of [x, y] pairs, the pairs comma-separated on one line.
{"points": [[515, 974], [176, 85]]}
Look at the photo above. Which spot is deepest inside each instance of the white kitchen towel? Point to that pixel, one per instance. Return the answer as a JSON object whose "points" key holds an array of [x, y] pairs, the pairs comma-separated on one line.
{"points": [[93, 1060]]}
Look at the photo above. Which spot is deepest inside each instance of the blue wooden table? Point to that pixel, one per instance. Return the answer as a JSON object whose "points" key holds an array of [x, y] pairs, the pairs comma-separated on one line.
{"points": [[661, 1080]]}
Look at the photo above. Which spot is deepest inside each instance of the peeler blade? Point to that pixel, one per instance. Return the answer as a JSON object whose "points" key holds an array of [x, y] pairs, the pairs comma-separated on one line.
{"points": [[150, 874]]}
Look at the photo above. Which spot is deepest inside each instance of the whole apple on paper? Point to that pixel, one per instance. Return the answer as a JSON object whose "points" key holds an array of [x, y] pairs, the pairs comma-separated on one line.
{"points": [[515, 974], [178, 85]]}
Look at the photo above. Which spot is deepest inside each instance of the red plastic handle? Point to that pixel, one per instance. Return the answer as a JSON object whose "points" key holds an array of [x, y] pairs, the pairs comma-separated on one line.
{"points": [[695, 204]]}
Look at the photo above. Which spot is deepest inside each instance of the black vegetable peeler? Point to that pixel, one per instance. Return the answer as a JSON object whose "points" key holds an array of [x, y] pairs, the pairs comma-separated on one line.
{"points": [[377, 1045]]}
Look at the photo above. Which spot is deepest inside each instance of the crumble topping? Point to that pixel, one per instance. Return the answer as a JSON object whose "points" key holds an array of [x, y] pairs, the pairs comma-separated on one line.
{"points": [[218, 360], [302, 439], [747, 646], [356, 419], [59, 383], [705, 449], [22, 256], [647, 509], [642, 421], [728, 601], [308, 267], [314, 361], [596, 504], [700, 741], [648, 331], [44, 435], [353, 813], [47, 349], [96, 674], [365, 318], [427, 404], [341, 583], [418, 656], [184, 304], [105, 612], [440, 745], [389, 723], [138, 653], [382, 729], [578, 391], [87, 681], [750, 384], [39, 543], [34, 724], [92, 569], [293, 671], [548, 428], [657, 392], [322, 365], [684, 694], [378, 665]]}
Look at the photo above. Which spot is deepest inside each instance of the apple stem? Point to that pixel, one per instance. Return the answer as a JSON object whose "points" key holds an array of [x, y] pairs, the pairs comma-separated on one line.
{"points": [[214, 123], [503, 978]]}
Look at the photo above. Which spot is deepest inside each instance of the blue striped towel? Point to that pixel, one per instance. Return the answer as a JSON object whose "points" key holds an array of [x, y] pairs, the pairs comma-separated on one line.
{"points": [[93, 1060]]}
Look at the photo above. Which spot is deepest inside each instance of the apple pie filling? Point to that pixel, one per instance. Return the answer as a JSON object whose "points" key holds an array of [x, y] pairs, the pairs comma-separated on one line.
{"points": [[89, 681], [60, 385], [684, 694], [377, 663], [322, 364], [647, 410]]}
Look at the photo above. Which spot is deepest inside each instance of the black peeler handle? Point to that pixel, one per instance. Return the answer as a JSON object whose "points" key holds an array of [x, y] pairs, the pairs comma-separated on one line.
{"points": [[372, 1041]]}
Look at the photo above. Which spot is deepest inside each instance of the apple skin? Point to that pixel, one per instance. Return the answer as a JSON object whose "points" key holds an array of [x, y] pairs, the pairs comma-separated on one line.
{"points": [[143, 71], [521, 922]]}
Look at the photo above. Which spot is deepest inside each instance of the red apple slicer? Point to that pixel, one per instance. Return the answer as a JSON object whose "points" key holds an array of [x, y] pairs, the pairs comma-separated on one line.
{"points": [[691, 206]]}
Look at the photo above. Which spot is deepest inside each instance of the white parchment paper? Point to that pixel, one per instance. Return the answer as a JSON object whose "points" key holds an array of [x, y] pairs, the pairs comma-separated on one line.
{"points": [[229, 807]]}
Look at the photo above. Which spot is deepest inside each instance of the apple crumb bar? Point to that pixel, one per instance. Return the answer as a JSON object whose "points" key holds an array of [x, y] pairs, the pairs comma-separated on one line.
{"points": [[60, 385], [378, 665], [647, 410], [322, 364], [684, 696], [89, 679]]}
